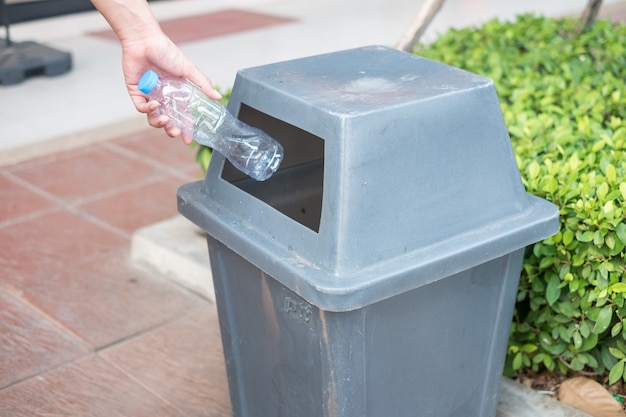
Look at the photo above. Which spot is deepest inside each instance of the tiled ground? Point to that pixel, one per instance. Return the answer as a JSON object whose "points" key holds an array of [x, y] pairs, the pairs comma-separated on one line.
{"points": [[82, 331]]}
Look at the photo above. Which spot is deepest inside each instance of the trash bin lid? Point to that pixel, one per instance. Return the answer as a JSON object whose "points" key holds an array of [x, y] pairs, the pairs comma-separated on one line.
{"points": [[416, 179]]}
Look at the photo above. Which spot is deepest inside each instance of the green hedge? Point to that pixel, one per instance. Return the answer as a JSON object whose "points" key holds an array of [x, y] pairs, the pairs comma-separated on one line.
{"points": [[563, 97]]}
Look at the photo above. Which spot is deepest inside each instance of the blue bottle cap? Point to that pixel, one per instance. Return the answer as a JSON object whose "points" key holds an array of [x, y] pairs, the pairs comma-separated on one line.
{"points": [[147, 81]]}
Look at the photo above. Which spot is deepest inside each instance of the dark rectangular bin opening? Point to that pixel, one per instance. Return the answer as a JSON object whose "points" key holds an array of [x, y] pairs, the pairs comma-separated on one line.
{"points": [[296, 189]]}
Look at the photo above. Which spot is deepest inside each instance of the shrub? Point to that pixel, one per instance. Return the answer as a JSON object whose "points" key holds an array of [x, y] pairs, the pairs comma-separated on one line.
{"points": [[563, 97]]}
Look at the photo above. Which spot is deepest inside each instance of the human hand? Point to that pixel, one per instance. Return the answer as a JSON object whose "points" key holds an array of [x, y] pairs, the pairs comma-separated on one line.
{"points": [[157, 52]]}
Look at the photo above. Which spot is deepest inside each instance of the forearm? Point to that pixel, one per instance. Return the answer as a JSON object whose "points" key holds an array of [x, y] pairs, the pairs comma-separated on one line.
{"points": [[129, 19]]}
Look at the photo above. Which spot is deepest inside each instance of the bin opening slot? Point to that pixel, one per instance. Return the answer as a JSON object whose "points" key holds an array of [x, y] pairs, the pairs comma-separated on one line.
{"points": [[296, 189]]}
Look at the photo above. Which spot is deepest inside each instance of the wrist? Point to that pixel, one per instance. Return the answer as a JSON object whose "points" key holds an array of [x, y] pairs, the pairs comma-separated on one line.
{"points": [[130, 20]]}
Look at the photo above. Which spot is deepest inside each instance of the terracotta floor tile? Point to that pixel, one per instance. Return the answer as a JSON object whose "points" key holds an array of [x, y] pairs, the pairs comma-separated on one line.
{"points": [[29, 343], [89, 387], [181, 362], [210, 25], [46, 243], [136, 208], [156, 146], [107, 300], [84, 173], [17, 201]]}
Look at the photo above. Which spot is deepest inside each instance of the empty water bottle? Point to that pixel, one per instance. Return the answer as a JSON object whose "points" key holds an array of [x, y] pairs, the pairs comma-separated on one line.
{"points": [[209, 123]]}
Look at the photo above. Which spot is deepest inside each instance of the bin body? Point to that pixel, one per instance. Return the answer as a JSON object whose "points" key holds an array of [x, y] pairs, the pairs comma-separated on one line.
{"points": [[433, 351], [375, 274]]}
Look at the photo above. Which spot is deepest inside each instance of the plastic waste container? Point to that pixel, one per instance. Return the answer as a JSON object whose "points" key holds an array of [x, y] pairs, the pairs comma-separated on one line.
{"points": [[375, 273]]}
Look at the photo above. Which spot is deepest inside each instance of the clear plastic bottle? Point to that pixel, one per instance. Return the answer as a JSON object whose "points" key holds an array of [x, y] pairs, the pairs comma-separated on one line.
{"points": [[209, 123]]}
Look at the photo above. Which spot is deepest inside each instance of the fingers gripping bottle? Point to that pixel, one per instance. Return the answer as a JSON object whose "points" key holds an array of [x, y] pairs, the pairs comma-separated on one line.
{"points": [[209, 123]]}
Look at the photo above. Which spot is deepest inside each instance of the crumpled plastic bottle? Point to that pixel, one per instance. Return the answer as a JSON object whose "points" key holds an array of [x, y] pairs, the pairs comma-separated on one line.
{"points": [[209, 123]]}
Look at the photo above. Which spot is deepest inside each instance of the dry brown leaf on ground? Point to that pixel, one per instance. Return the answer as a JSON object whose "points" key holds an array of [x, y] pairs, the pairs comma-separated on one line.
{"points": [[589, 396]]}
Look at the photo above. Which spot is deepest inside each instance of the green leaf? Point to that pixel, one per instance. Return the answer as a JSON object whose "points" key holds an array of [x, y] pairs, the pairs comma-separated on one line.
{"points": [[546, 262], [620, 229], [578, 340], [616, 373], [590, 360], [619, 287], [553, 292], [577, 364], [604, 320], [568, 237], [610, 173], [548, 363], [585, 237], [529, 348], [574, 161], [602, 191], [589, 343], [517, 361], [609, 240], [608, 360], [533, 170], [617, 353], [550, 185], [585, 329], [564, 333]]}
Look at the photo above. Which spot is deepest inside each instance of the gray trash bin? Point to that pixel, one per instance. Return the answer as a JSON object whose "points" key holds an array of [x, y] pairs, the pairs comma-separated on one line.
{"points": [[375, 274]]}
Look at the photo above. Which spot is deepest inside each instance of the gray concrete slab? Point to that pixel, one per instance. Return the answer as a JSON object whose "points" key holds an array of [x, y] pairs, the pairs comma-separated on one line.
{"points": [[176, 249]]}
